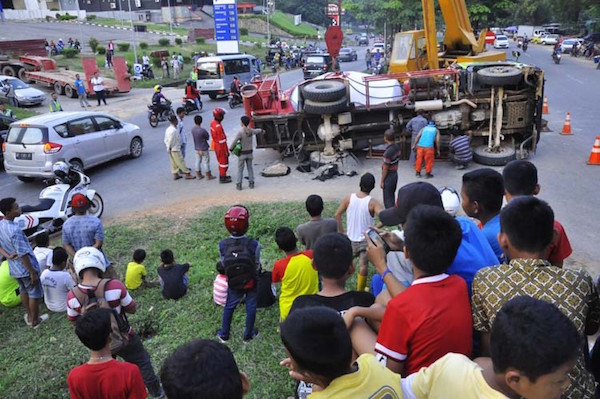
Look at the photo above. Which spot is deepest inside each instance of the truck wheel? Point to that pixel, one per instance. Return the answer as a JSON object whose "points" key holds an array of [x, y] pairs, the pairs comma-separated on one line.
{"points": [[70, 91], [212, 96], [330, 107], [9, 71], [483, 156], [499, 76], [58, 88], [324, 91], [21, 74]]}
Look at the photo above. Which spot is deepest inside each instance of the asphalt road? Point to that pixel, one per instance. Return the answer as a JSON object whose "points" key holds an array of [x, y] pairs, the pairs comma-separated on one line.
{"points": [[144, 185]]}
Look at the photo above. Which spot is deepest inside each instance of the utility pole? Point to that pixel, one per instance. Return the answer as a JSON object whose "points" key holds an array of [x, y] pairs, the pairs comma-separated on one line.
{"points": [[135, 59], [170, 17]]}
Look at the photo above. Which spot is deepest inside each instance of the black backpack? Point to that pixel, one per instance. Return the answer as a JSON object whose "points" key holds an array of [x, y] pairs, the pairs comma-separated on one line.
{"points": [[239, 263]]}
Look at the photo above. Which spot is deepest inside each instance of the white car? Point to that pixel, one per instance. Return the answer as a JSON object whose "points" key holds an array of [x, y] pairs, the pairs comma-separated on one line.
{"points": [[378, 46], [549, 39], [501, 41], [567, 45], [24, 94]]}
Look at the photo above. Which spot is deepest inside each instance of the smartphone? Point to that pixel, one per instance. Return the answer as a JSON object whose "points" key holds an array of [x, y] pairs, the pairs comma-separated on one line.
{"points": [[376, 239]]}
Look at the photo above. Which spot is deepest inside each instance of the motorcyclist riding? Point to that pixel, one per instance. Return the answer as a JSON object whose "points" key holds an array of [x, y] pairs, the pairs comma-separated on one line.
{"points": [[192, 93], [66, 174], [235, 88], [159, 101]]}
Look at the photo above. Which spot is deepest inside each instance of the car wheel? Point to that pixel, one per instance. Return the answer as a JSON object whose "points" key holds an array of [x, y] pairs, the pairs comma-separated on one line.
{"points": [[484, 156], [324, 90], [153, 120], [58, 88], [136, 147], [96, 206], [26, 179], [212, 96], [9, 71], [330, 107], [499, 76], [76, 164]]}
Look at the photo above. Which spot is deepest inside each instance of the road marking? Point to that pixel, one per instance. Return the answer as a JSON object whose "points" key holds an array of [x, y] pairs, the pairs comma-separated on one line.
{"points": [[576, 80]]}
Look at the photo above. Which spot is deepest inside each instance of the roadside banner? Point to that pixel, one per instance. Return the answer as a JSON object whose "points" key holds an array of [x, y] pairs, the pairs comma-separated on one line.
{"points": [[226, 26]]}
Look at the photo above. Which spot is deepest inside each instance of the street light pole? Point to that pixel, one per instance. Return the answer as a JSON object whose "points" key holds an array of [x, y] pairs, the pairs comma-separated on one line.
{"points": [[170, 17], [269, 4], [132, 34]]}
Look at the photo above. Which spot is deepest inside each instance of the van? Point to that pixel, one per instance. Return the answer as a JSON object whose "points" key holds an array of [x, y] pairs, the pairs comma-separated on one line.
{"points": [[215, 74]]}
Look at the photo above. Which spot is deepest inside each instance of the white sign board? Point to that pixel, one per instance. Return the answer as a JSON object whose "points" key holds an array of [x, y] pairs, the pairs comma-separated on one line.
{"points": [[226, 26], [332, 9], [297, 19]]}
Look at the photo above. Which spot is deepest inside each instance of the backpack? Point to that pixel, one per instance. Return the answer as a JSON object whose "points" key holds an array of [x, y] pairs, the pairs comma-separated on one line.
{"points": [[266, 290], [95, 299], [239, 263]]}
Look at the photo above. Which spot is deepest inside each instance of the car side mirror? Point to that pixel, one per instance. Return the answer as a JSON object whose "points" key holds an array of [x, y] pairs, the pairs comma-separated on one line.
{"points": [[119, 125]]}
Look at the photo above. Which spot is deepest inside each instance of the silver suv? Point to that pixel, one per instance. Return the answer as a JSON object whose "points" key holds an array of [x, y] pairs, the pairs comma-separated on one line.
{"points": [[84, 139]]}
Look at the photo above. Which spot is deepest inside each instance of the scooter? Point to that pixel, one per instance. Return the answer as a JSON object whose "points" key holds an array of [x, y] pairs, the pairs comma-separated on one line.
{"points": [[525, 45], [154, 116], [556, 56], [147, 72], [519, 43], [189, 105], [234, 99], [54, 207]]}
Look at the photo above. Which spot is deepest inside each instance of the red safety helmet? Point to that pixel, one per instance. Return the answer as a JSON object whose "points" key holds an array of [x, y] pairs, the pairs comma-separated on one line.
{"points": [[219, 113], [237, 220]]}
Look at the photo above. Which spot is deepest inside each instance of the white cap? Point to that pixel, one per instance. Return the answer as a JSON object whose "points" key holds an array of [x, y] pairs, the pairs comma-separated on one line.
{"points": [[88, 257], [450, 200]]}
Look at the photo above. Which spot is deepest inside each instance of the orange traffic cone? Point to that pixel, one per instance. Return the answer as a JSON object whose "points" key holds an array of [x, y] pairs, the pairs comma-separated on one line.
{"points": [[545, 106], [566, 130], [595, 155]]}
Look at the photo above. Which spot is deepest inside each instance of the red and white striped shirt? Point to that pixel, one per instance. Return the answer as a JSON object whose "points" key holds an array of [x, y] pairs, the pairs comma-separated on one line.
{"points": [[220, 290], [115, 294]]}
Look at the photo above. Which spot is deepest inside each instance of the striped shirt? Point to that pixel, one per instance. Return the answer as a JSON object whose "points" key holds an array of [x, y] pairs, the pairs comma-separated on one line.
{"points": [[461, 148], [220, 290], [391, 156], [115, 294], [13, 241]]}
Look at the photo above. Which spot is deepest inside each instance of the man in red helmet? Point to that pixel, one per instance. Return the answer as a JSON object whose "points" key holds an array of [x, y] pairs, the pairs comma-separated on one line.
{"points": [[220, 141], [240, 257]]}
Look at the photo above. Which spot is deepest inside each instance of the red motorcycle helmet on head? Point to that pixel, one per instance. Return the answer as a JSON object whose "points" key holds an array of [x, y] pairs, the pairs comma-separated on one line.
{"points": [[237, 220], [219, 113]]}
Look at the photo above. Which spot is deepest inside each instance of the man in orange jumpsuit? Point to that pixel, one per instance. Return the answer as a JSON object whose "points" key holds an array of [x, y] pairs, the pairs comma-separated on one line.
{"points": [[220, 144]]}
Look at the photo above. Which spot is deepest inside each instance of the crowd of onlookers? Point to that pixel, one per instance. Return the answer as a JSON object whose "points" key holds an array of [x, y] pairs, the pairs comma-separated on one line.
{"points": [[458, 306]]}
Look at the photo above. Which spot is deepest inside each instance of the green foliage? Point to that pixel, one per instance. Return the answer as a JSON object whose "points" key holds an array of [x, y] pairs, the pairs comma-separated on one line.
{"points": [[93, 43], [90, 17], [244, 31], [163, 41], [48, 18], [22, 113], [285, 22], [56, 349], [143, 45], [187, 59], [69, 52], [312, 11], [65, 17], [101, 49], [200, 40], [178, 41], [123, 46], [155, 61]]}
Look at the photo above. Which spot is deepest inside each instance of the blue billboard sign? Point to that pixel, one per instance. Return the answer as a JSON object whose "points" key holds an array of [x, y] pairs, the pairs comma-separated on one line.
{"points": [[226, 21]]}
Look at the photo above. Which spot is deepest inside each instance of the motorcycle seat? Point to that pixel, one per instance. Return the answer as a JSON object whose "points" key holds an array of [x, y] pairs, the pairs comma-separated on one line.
{"points": [[43, 205]]}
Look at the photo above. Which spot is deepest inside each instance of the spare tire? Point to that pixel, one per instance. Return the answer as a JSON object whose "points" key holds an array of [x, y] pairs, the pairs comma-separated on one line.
{"points": [[324, 90], [501, 75], [483, 156], [330, 107]]}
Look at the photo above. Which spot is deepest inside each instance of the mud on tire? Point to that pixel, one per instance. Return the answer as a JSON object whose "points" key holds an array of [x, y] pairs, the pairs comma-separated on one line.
{"points": [[329, 107], [324, 90]]}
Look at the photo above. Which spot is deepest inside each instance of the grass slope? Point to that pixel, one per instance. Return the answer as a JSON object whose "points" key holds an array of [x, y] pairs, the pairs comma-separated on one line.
{"points": [[285, 22], [35, 364]]}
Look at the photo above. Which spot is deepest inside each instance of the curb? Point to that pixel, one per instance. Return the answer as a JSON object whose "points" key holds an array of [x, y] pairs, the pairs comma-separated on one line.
{"points": [[116, 27]]}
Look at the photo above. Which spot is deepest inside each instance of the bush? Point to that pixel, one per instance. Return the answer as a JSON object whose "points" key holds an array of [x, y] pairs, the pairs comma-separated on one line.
{"points": [[200, 40], [163, 41], [48, 18], [93, 43], [123, 47], [187, 59], [90, 17], [244, 31], [69, 52], [58, 16], [155, 61], [101, 50], [178, 41], [143, 45], [257, 45]]}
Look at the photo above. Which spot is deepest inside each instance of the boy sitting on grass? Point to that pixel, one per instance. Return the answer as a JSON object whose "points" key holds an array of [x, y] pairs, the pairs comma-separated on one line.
{"points": [[294, 272], [203, 369], [173, 276], [135, 276], [430, 318], [320, 351], [533, 348], [57, 282]]}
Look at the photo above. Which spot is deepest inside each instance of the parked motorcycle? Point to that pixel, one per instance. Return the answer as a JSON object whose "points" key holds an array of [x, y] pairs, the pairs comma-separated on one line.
{"points": [[189, 105], [147, 72], [556, 56], [234, 99], [155, 116], [54, 207]]}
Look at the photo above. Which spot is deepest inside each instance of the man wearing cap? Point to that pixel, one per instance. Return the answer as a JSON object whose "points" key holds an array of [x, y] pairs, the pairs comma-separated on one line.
{"points": [[473, 254], [360, 211]]}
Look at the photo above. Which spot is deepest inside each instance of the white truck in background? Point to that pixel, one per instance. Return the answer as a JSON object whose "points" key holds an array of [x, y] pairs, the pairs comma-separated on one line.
{"points": [[530, 31]]}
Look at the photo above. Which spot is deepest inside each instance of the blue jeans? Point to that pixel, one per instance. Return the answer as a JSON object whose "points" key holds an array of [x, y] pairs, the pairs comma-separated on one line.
{"points": [[233, 298]]}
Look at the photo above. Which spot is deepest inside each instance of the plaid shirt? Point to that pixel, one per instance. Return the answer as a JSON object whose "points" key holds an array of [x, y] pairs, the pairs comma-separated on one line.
{"points": [[13, 241]]}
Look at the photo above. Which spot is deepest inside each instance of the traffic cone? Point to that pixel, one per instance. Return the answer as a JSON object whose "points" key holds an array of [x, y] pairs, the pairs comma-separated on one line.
{"points": [[595, 155], [566, 130], [545, 106]]}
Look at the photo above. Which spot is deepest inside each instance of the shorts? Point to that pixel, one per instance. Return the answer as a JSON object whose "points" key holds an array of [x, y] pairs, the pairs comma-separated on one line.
{"points": [[33, 291], [358, 247]]}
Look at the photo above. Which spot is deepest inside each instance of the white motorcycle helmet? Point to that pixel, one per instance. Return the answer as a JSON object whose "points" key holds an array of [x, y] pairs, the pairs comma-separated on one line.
{"points": [[88, 257], [450, 200], [60, 169]]}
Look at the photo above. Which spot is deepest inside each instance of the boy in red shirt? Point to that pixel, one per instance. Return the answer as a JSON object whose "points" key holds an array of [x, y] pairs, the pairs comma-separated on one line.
{"points": [[102, 376]]}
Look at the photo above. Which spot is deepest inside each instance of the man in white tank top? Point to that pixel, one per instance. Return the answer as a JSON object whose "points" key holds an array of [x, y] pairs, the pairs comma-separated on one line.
{"points": [[360, 211]]}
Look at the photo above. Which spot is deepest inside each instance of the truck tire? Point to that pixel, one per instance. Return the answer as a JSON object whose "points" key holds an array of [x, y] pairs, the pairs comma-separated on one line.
{"points": [[21, 74], [324, 90], [9, 70], [499, 76], [58, 88], [70, 91], [483, 157], [330, 107]]}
